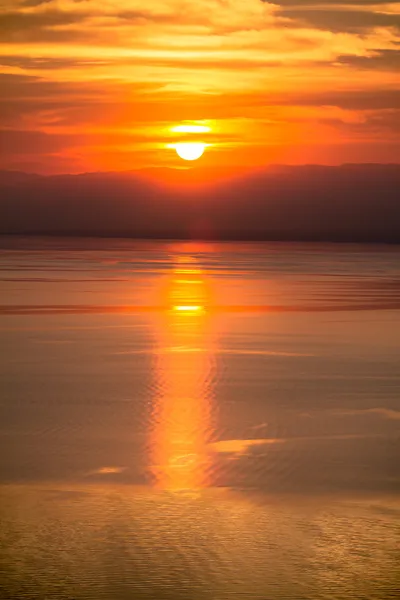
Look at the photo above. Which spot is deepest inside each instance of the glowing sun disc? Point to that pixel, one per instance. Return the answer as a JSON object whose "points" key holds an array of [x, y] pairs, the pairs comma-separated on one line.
{"points": [[190, 150]]}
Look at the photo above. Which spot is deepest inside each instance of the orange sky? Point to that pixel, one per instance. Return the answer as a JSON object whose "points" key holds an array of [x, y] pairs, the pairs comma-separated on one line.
{"points": [[98, 84]]}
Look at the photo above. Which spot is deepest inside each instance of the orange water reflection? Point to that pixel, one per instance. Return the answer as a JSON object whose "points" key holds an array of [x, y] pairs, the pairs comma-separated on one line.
{"points": [[182, 420]]}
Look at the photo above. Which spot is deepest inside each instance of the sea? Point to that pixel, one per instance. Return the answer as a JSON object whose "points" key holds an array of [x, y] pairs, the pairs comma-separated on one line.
{"points": [[199, 420]]}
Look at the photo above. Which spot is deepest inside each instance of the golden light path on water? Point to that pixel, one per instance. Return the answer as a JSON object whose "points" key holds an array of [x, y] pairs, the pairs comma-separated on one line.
{"points": [[184, 372]]}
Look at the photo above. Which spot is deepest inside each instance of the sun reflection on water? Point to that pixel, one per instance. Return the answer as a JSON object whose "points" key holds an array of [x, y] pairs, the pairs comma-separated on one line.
{"points": [[182, 407]]}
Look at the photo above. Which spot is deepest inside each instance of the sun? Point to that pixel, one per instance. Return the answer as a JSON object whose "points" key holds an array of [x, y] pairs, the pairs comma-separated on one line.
{"points": [[190, 150], [189, 145]]}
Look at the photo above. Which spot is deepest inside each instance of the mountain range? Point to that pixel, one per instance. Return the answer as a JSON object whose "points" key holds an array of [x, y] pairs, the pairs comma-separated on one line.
{"points": [[350, 203]]}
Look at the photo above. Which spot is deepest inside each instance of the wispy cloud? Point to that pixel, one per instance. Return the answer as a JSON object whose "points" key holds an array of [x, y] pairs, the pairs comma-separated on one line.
{"points": [[351, 17]]}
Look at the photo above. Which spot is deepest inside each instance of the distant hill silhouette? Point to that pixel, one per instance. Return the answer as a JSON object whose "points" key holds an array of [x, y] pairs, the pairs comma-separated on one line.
{"points": [[355, 202]]}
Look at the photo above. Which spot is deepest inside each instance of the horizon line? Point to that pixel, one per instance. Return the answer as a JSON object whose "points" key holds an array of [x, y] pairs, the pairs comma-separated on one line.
{"points": [[198, 167]]}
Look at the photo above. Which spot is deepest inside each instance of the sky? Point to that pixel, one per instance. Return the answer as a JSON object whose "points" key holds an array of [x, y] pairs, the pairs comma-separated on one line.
{"points": [[99, 85]]}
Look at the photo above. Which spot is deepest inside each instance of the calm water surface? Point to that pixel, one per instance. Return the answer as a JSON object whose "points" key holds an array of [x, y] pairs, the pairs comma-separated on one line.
{"points": [[182, 420]]}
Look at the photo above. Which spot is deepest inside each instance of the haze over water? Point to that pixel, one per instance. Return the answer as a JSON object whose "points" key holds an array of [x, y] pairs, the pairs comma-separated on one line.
{"points": [[198, 420]]}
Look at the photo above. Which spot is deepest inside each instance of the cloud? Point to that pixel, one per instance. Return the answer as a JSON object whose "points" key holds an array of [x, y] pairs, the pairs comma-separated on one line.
{"points": [[322, 3], [376, 59], [30, 3], [352, 99], [336, 20], [38, 64], [16, 141], [17, 26], [372, 124]]}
